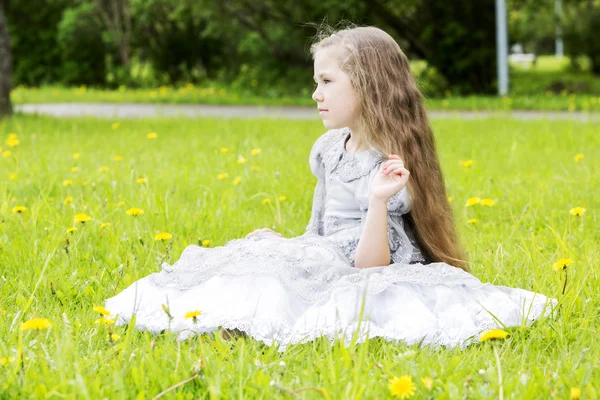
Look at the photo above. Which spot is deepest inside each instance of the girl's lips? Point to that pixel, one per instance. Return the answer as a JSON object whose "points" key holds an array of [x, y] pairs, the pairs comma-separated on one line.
{"points": [[322, 111]]}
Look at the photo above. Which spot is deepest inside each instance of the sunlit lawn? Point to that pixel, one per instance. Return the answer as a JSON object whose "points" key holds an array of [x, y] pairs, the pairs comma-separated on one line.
{"points": [[61, 168]]}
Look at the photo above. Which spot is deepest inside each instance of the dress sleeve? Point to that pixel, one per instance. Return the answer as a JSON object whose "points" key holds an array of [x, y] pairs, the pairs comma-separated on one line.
{"points": [[403, 246], [317, 167]]}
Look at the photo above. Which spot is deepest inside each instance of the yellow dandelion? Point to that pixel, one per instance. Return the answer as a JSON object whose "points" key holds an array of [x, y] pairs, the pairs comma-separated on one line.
{"points": [[493, 334], [121, 203], [142, 180], [12, 176], [68, 200], [427, 383], [578, 157], [575, 393], [488, 202], [193, 315], [71, 230], [12, 142], [67, 182], [83, 218], [579, 211], [135, 211], [36, 324], [256, 151], [12, 136], [104, 225], [76, 156], [104, 321], [163, 236], [563, 263], [224, 149], [103, 169], [222, 175], [19, 209], [206, 242], [282, 198], [7, 360], [237, 180], [255, 168], [6, 154], [74, 169], [118, 158], [116, 125], [266, 201], [242, 160], [152, 135], [467, 163], [101, 310], [113, 337], [402, 387], [472, 221], [472, 201]]}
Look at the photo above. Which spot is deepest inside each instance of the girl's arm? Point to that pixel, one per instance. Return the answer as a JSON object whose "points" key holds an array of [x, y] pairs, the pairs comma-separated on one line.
{"points": [[373, 249]]}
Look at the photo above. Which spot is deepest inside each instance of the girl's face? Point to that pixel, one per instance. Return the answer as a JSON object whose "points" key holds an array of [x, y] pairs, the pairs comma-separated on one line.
{"points": [[336, 99]]}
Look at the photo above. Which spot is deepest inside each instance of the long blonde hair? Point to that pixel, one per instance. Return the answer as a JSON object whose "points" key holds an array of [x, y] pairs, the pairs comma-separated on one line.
{"points": [[393, 117]]}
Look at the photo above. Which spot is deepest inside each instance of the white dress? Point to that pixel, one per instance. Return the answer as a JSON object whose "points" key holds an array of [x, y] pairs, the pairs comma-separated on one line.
{"points": [[293, 290]]}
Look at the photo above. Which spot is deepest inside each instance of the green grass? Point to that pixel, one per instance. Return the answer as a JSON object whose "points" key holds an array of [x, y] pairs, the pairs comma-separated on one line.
{"points": [[527, 167]]}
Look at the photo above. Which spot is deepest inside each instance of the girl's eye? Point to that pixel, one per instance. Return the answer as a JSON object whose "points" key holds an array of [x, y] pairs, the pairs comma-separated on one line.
{"points": [[326, 80]]}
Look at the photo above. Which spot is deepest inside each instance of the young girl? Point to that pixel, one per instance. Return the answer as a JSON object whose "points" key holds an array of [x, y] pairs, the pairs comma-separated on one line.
{"points": [[380, 256]]}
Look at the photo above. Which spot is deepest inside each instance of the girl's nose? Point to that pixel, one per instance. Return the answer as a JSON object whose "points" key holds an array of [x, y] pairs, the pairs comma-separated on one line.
{"points": [[316, 96]]}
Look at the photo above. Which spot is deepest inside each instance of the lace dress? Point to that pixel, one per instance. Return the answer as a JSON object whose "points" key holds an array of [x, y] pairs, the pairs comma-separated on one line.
{"points": [[293, 290]]}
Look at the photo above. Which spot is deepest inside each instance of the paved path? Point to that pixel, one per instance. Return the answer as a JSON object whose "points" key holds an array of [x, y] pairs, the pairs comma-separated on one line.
{"points": [[124, 110]]}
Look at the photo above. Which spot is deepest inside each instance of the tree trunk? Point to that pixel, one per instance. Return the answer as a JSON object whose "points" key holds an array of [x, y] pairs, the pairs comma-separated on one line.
{"points": [[5, 63]]}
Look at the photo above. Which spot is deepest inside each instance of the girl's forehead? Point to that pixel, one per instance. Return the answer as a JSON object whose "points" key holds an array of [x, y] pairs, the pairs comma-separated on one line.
{"points": [[326, 59]]}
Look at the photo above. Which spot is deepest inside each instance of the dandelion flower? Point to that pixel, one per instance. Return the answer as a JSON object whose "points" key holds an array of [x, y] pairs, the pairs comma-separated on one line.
{"points": [[579, 211], [254, 168], [101, 310], [152, 135], [67, 182], [206, 242], [19, 209], [266, 201], [224, 149], [103, 169], [472, 221], [118, 158], [163, 236], [488, 202], [222, 175], [563, 263], [113, 337], [237, 180], [427, 383], [75, 156], [68, 200], [105, 225], [7, 360], [242, 160], [83, 218], [282, 198], [256, 151], [36, 324], [193, 315], [472, 201], [74, 169], [578, 157], [467, 163], [116, 125], [135, 211], [402, 387], [71, 230], [493, 334], [142, 180], [6, 154], [575, 393], [450, 198], [12, 136], [12, 142]]}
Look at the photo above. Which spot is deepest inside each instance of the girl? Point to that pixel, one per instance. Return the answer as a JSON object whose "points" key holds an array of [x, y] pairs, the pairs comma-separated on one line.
{"points": [[380, 256]]}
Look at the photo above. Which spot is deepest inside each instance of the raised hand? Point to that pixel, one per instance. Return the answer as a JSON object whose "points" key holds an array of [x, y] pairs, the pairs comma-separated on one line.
{"points": [[390, 179]]}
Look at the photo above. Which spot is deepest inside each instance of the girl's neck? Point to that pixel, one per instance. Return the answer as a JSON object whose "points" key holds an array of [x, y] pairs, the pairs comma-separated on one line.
{"points": [[351, 145]]}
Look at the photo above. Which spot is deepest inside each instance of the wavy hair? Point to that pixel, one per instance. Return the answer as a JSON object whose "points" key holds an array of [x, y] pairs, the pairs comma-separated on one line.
{"points": [[393, 117]]}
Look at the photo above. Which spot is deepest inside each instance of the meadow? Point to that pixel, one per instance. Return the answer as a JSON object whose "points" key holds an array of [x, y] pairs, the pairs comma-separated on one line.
{"points": [[207, 181]]}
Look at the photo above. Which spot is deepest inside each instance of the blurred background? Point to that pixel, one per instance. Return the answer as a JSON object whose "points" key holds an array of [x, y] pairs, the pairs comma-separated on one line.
{"points": [[256, 51]]}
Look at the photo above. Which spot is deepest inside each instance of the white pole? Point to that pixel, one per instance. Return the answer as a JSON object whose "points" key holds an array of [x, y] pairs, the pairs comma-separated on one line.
{"points": [[560, 50], [502, 47]]}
